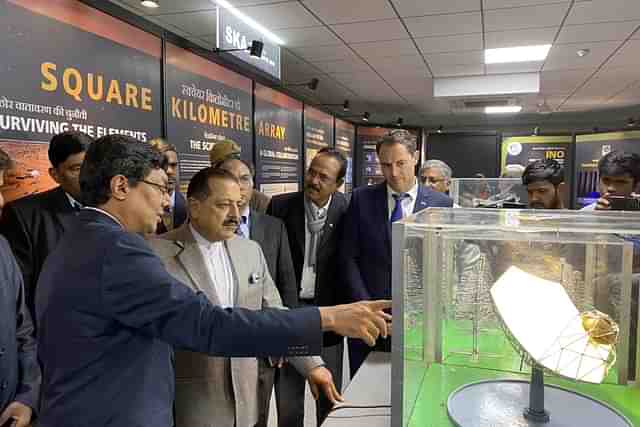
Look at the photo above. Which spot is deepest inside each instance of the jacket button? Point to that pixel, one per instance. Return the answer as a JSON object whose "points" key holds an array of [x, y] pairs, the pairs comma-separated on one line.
{"points": [[2, 351]]}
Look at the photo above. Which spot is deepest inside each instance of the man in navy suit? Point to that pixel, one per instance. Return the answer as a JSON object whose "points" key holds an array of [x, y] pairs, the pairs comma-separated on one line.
{"points": [[110, 313], [366, 240]]}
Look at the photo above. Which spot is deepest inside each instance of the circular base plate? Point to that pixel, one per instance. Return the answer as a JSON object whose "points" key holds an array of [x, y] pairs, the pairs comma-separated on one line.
{"points": [[501, 403]]}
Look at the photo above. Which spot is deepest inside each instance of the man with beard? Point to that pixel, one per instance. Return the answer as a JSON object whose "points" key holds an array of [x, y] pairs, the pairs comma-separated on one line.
{"points": [[176, 214], [544, 180]]}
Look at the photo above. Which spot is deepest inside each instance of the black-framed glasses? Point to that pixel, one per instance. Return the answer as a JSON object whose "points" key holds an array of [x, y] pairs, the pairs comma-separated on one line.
{"points": [[164, 190]]}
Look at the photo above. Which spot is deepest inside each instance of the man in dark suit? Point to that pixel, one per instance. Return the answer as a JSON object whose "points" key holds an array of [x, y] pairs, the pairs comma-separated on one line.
{"points": [[34, 224], [312, 218], [110, 313], [176, 214], [365, 255], [19, 370]]}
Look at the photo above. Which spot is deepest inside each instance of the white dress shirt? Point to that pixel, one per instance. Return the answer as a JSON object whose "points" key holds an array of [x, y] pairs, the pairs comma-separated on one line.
{"points": [[308, 279], [219, 267], [407, 203]]}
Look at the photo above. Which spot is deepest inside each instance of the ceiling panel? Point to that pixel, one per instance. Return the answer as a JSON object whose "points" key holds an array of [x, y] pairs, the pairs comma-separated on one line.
{"points": [[343, 66], [456, 58], [389, 29], [585, 12], [408, 73], [281, 15], [313, 36], [518, 67], [349, 77], [382, 49], [408, 8], [457, 70], [170, 6], [564, 57], [341, 11], [524, 17], [563, 82], [531, 36], [501, 4], [627, 56], [608, 31], [444, 25], [195, 23], [413, 89], [450, 43], [397, 62], [324, 53]]}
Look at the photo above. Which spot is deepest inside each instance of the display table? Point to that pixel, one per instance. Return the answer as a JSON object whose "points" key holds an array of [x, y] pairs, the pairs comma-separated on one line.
{"points": [[368, 396]]}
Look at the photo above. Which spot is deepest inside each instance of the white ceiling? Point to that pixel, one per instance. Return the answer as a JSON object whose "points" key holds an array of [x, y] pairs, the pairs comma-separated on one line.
{"points": [[383, 54]]}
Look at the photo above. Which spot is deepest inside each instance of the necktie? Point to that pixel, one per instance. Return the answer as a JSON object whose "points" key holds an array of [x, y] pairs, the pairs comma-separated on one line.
{"points": [[397, 209]]}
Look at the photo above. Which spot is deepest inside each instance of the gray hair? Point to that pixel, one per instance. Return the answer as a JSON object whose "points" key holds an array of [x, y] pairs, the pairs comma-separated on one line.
{"points": [[399, 136], [438, 164]]}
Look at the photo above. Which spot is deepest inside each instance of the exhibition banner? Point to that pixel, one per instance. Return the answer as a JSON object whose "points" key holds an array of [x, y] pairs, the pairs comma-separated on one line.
{"points": [[206, 104], [589, 150], [278, 139], [318, 132], [67, 66], [522, 150], [345, 135]]}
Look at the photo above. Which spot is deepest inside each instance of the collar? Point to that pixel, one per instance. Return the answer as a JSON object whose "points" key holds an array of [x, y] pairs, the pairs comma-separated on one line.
{"points": [[413, 191], [107, 214], [316, 208], [72, 201], [200, 239], [173, 198]]}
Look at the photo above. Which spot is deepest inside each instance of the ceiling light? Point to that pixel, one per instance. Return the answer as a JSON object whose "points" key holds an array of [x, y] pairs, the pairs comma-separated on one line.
{"points": [[400, 121], [503, 109], [440, 129], [249, 21], [583, 52], [345, 105], [150, 3], [365, 117], [516, 54], [631, 122]]}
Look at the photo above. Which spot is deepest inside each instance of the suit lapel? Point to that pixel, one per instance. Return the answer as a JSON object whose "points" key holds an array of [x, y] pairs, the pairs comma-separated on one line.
{"points": [[297, 219], [422, 201], [330, 223], [235, 254], [61, 209], [256, 233], [193, 263], [383, 215]]}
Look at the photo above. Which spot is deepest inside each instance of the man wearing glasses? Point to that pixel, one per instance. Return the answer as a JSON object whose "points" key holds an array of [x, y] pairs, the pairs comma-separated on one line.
{"points": [[436, 175]]}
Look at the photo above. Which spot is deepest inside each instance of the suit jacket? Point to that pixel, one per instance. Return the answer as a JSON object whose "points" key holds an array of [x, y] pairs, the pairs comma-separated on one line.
{"points": [[259, 201], [271, 234], [110, 315], [290, 208], [366, 241], [179, 214], [19, 370], [215, 391], [33, 226]]}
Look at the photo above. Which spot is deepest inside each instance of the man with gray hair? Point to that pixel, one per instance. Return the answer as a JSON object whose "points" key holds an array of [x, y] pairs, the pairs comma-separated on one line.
{"points": [[436, 175]]}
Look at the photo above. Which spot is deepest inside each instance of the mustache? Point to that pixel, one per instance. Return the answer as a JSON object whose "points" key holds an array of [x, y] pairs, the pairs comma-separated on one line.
{"points": [[233, 222], [311, 187]]}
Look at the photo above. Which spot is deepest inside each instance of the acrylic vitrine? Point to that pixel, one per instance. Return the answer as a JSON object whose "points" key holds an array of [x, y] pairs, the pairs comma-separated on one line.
{"points": [[488, 192], [446, 331]]}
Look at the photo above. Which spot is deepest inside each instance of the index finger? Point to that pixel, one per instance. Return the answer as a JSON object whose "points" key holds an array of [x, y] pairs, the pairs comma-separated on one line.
{"points": [[379, 304]]}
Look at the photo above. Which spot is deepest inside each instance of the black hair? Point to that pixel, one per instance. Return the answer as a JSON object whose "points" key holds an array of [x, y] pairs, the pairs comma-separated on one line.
{"points": [[543, 170], [5, 161], [66, 144], [115, 155], [199, 188], [619, 163], [339, 157]]}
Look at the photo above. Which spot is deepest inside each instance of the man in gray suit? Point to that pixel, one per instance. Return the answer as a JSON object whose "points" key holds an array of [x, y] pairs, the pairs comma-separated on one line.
{"points": [[208, 256]]}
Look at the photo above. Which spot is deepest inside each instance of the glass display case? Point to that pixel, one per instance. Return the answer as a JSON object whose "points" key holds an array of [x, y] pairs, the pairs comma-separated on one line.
{"points": [[488, 192], [446, 332]]}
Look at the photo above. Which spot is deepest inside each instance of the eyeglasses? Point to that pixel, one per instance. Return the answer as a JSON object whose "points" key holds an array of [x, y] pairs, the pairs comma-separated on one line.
{"points": [[325, 179], [164, 190], [431, 180]]}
